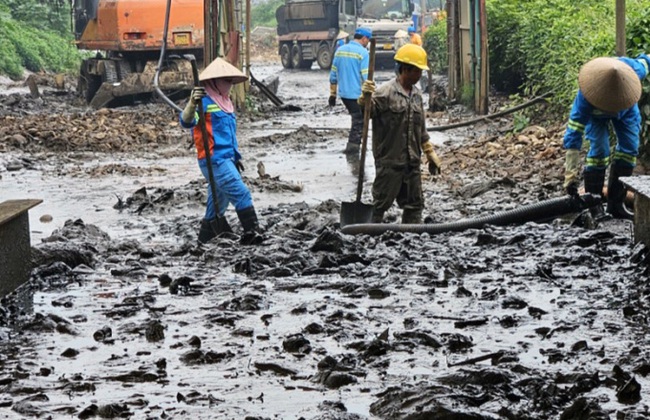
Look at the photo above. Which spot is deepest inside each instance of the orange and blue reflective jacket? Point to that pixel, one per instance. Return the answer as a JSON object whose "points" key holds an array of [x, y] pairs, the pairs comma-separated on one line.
{"points": [[222, 133]]}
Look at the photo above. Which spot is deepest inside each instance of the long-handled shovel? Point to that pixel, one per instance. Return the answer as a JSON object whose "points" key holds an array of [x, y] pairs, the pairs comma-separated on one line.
{"points": [[220, 224], [357, 212]]}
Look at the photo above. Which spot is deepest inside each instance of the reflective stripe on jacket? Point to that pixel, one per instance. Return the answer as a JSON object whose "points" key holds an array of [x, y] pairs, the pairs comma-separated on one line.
{"points": [[222, 133], [350, 69], [582, 111]]}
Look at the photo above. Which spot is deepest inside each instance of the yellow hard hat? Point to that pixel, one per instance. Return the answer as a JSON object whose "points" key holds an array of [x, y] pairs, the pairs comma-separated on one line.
{"points": [[414, 55]]}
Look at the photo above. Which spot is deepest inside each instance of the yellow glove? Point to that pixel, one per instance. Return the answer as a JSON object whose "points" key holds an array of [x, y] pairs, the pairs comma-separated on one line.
{"points": [[189, 113], [571, 169], [197, 94], [332, 99], [368, 87], [432, 158]]}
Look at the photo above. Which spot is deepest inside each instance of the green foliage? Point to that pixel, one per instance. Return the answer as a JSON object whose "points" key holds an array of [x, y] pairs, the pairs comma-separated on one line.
{"points": [[36, 36], [538, 46], [638, 41], [10, 63], [435, 43], [263, 14], [467, 95], [520, 121], [46, 14]]}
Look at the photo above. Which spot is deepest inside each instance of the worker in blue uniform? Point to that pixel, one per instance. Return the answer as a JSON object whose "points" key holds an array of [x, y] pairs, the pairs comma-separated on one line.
{"points": [[609, 89], [349, 71]]}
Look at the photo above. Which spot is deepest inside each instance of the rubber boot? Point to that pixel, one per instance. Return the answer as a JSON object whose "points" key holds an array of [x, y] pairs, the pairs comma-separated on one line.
{"points": [[412, 216], [616, 192], [205, 232], [213, 227], [377, 216], [352, 148], [594, 182], [248, 219]]}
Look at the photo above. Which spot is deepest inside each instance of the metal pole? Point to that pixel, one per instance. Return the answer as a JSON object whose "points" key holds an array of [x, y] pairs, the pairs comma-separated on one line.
{"points": [[207, 33], [620, 28], [248, 38]]}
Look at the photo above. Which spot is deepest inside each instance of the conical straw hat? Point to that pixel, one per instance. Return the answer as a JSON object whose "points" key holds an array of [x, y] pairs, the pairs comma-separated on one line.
{"points": [[609, 84], [221, 69]]}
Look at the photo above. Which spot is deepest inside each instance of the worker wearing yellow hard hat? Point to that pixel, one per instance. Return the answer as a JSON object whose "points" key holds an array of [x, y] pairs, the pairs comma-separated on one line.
{"points": [[399, 138]]}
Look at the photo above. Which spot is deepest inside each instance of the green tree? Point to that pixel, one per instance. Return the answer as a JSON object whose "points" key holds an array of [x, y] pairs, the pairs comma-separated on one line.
{"points": [[36, 36], [263, 14]]}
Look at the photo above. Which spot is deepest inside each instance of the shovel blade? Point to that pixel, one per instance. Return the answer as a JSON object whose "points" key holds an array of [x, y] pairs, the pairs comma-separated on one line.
{"points": [[355, 213]]}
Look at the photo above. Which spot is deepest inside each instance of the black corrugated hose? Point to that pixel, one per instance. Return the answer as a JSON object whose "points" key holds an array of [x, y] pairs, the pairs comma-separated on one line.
{"points": [[537, 212]]}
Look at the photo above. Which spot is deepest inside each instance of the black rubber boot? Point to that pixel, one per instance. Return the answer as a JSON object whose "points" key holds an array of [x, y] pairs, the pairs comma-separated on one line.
{"points": [[352, 148], [377, 216], [220, 225], [594, 182], [205, 232], [412, 216], [616, 192], [211, 228], [248, 219]]}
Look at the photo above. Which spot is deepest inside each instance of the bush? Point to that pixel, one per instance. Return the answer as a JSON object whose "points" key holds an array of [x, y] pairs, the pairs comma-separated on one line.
{"points": [[435, 43], [263, 14], [538, 46], [638, 41], [35, 36]]}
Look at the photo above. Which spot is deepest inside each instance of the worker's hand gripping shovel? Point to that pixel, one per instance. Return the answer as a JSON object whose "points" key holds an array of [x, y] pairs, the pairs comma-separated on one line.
{"points": [[220, 224], [357, 212]]}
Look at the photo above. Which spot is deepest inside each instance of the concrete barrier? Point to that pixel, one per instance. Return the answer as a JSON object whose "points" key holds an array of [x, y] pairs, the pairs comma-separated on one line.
{"points": [[15, 246]]}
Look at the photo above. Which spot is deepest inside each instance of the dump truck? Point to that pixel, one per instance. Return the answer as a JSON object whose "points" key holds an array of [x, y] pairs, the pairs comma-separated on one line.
{"points": [[126, 37], [308, 29]]}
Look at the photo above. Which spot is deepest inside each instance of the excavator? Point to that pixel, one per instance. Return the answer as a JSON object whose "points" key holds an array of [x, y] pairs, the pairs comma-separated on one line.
{"points": [[127, 36]]}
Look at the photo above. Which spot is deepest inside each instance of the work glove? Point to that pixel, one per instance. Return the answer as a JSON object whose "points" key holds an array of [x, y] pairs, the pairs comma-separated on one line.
{"points": [[367, 87], [332, 99], [433, 160], [571, 168], [189, 112], [239, 166], [197, 94]]}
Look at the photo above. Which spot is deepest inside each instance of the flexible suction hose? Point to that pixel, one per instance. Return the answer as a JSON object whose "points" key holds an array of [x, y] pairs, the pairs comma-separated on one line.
{"points": [[537, 212], [156, 83]]}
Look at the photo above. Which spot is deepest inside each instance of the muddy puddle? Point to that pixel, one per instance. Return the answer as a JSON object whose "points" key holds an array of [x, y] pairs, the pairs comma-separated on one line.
{"points": [[125, 316]]}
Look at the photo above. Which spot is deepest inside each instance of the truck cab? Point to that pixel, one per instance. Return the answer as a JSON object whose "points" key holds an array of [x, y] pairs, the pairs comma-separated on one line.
{"points": [[386, 18]]}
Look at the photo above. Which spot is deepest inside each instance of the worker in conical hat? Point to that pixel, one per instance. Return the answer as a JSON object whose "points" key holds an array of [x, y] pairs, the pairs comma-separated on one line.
{"points": [[609, 89], [214, 95]]}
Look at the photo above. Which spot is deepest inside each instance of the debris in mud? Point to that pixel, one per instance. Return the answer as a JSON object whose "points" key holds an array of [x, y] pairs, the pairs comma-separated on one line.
{"points": [[518, 322]]}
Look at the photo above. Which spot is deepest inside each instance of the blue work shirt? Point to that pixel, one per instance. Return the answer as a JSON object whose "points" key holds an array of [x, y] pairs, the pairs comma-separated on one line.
{"points": [[350, 69], [582, 111]]}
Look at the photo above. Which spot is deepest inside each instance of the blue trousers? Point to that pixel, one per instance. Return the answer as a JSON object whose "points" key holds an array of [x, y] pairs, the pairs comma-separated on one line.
{"points": [[627, 128], [230, 188]]}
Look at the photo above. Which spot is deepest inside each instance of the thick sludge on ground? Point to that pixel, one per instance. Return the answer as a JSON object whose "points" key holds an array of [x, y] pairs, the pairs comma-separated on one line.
{"points": [[125, 316]]}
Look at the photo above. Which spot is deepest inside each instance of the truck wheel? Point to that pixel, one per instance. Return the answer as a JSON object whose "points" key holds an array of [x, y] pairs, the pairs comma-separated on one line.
{"points": [[285, 56], [324, 57], [296, 57]]}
